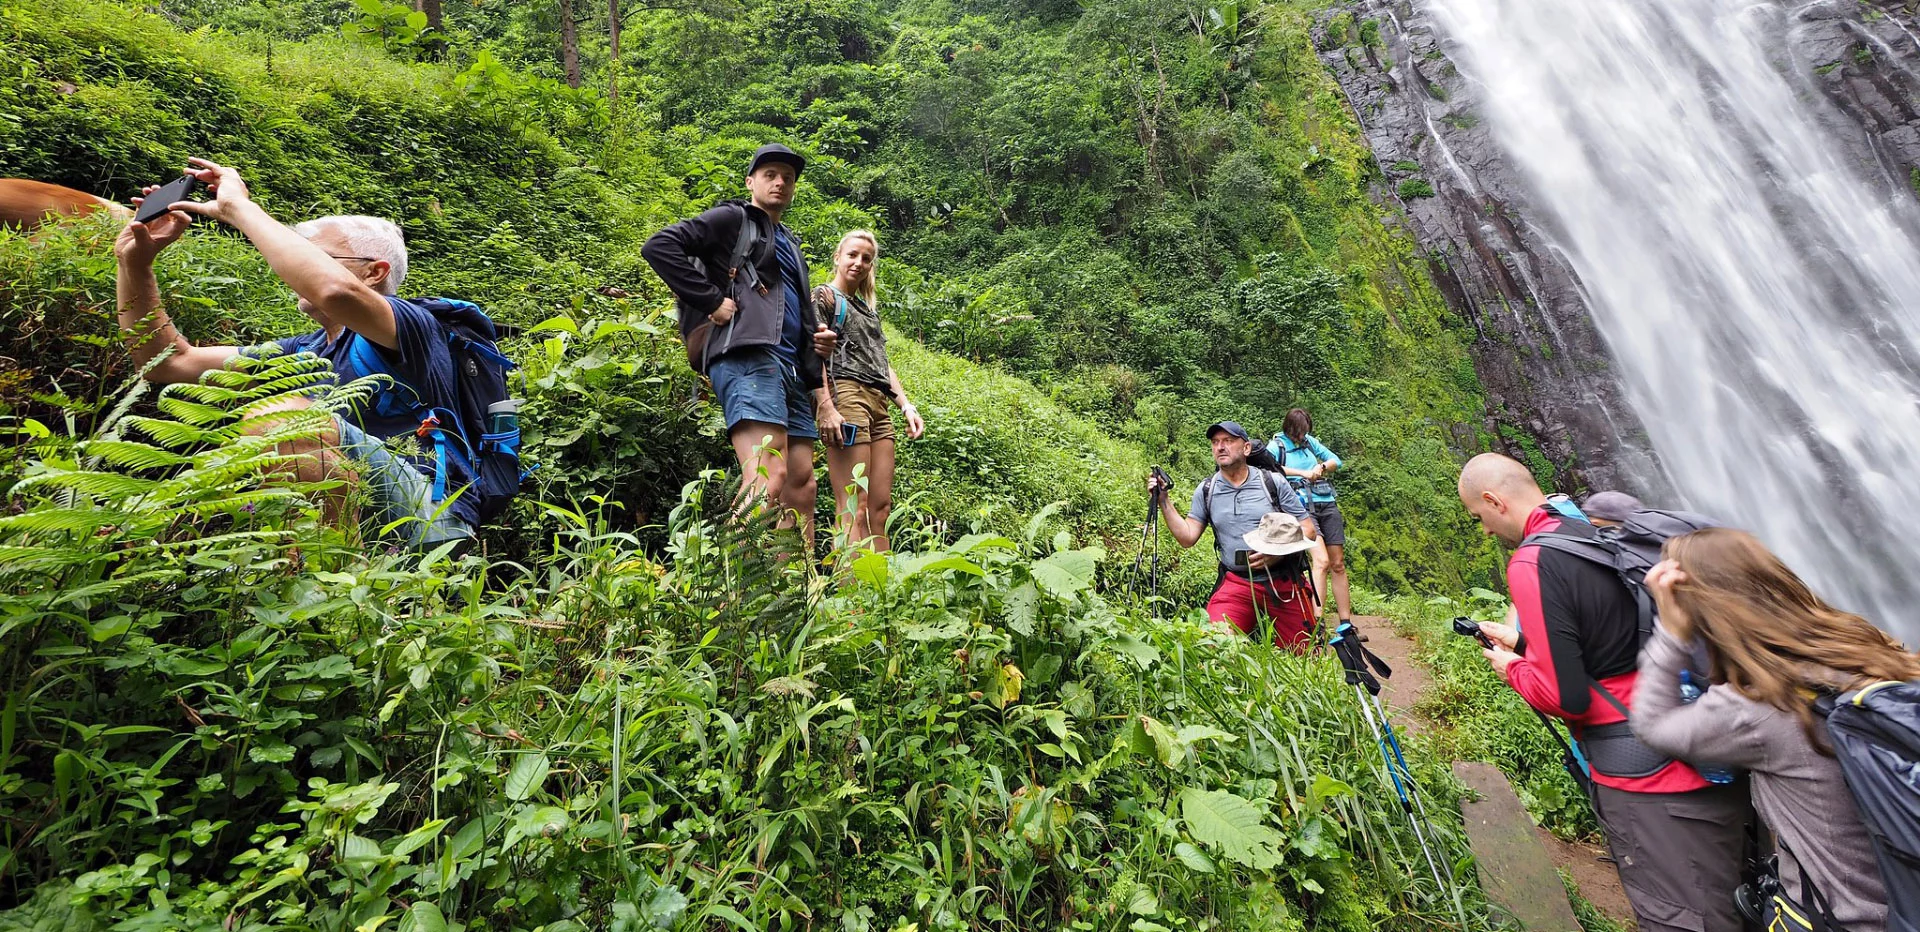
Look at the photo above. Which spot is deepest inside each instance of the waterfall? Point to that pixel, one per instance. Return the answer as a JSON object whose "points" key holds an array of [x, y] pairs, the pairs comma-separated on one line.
{"points": [[1756, 279]]}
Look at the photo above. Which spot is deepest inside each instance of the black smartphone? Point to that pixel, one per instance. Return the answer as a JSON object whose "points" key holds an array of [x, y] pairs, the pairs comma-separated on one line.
{"points": [[847, 433], [155, 206], [1467, 627]]}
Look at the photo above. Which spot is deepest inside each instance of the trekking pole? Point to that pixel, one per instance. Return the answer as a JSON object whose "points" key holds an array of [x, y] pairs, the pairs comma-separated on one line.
{"points": [[1571, 759], [1148, 533], [1355, 659]]}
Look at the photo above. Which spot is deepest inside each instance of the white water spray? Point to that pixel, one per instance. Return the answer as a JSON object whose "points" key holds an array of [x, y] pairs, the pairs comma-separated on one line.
{"points": [[1760, 292]]}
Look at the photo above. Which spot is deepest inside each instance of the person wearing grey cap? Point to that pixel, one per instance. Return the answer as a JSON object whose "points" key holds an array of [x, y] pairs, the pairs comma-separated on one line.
{"points": [[741, 286], [1253, 580]]}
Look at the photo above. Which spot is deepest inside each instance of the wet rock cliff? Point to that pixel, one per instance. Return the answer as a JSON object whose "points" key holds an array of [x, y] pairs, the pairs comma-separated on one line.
{"points": [[1553, 397]]}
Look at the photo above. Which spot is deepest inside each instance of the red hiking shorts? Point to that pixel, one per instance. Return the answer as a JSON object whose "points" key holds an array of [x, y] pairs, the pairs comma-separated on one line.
{"points": [[1242, 604]]}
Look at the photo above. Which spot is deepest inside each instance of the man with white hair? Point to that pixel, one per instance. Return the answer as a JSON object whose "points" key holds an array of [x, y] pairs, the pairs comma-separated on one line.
{"points": [[346, 272]]}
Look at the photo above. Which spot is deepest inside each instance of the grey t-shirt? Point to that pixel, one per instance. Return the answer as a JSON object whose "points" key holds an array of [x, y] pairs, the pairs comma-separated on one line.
{"points": [[1238, 510], [862, 356]]}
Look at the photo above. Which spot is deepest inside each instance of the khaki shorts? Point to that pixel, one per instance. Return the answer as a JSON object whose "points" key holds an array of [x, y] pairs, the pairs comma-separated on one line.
{"points": [[865, 407]]}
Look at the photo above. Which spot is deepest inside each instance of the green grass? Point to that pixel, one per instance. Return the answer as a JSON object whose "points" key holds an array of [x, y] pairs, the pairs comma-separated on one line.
{"points": [[1483, 718]]}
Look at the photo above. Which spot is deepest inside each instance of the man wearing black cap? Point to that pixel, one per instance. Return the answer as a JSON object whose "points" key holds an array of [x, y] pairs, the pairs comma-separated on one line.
{"points": [[1232, 501], [749, 327]]}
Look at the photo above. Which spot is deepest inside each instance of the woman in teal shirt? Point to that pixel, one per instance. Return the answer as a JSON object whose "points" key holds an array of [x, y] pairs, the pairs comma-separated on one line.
{"points": [[1306, 462]]}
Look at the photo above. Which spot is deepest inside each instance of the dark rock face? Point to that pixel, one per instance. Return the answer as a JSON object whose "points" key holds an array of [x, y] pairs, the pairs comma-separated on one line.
{"points": [[1544, 366], [1866, 56], [1547, 372]]}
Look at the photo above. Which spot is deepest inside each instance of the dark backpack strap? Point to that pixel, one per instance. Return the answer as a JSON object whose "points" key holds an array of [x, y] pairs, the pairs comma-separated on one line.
{"points": [[1206, 505], [1605, 553], [1819, 910], [1611, 699], [742, 245], [1273, 490]]}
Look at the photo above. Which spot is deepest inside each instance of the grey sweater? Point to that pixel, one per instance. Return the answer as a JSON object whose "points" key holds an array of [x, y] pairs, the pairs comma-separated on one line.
{"points": [[1799, 792]]}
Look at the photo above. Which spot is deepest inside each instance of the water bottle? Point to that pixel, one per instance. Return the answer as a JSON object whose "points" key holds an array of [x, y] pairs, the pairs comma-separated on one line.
{"points": [[1690, 692], [504, 416]]}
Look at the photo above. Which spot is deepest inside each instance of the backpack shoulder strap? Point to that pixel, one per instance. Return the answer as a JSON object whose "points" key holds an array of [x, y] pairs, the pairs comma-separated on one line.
{"points": [[1599, 550], [839, 307], [1206, 501], [1273, 491], [1590, 549], [743, 243]]}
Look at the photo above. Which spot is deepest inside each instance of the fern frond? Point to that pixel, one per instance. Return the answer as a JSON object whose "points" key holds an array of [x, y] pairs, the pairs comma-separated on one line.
{"points": [[174, 405], [220, 476], [202, 393], [136, 388], [232, 503], [44, 560], [296, 383], [105, 485], [128, 454], [277, 535], [175, 434], [105, 587], [59, 521]]}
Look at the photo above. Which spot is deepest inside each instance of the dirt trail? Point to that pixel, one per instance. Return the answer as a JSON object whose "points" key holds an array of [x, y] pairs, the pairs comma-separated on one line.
{"points": [[1597, 879]]}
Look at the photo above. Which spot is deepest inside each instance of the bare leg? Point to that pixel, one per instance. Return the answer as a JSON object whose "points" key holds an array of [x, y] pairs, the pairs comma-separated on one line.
{"points": [[1337, 577], [879, 494], [800, 493], [840, 464], [761, 448], [320, 456], [1318, 558]]}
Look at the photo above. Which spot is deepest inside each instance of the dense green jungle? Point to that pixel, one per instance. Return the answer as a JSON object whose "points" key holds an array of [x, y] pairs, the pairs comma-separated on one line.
{"points": [[1103, 225]]}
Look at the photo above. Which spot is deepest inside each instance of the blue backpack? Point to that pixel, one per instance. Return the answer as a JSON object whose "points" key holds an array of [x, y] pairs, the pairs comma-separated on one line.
{"points": [[468, 430]]}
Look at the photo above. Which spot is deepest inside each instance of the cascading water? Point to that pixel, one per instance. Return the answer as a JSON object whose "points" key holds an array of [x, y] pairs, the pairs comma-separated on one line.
{"points": [[1758, 286]]}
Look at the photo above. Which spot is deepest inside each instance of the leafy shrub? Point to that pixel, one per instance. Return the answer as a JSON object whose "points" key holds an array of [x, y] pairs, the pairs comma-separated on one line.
{"points": [[239, 718], [1415, 188]]}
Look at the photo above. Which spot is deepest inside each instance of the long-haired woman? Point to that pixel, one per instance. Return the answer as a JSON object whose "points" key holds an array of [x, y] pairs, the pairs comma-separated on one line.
{"points": [[1775, 647], [863, 385]]}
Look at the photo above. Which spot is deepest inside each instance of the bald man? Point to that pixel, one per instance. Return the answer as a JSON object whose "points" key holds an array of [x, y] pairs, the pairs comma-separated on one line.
{"points": [[1678, 840]]}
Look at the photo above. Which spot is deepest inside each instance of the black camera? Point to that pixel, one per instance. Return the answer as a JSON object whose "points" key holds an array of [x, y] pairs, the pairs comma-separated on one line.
{"points": [[1467, 627]]}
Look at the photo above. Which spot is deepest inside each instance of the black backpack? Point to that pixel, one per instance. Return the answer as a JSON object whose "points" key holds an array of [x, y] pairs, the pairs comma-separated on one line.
{"points": [[1876, 739], [465, 431], [1629, 549]]}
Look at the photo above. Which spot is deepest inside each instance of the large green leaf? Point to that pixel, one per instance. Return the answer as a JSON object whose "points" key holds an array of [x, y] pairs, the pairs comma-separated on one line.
{"points": [[529, 771], [1068, 572], [872, 570], [1231, 826]]}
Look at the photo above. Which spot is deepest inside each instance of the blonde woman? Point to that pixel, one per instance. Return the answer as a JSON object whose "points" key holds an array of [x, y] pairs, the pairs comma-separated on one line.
{"points": [[1775, 647], [863, 384]]}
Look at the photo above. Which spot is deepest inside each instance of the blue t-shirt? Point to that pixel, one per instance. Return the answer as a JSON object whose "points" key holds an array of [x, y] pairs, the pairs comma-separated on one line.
{"points": [[422, 374], [1302, 458], [792, 330]]}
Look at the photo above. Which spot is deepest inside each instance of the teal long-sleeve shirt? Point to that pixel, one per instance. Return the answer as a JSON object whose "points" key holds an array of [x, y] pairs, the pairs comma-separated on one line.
{"points": [[1302, 458]]}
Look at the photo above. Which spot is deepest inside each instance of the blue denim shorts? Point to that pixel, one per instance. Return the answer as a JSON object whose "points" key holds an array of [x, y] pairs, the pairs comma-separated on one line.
{"points": [[397, 492], [755, 384]]}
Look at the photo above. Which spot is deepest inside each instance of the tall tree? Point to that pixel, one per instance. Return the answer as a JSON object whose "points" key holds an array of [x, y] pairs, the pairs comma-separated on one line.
{"points": [[613, 61], [570, 43], [433, 11]]}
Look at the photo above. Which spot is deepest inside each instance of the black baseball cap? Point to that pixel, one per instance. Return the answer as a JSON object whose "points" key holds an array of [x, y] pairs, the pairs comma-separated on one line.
{"points": [[775, 152], [1233, 428]]}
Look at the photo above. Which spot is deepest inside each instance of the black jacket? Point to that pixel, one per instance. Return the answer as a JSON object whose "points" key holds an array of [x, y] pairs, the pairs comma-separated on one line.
{"points": [[691, 257]]}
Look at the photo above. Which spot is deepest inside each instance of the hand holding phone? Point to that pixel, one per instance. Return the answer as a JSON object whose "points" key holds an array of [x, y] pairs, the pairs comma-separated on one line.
{"points": [[158, 203], [847, 434]]}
